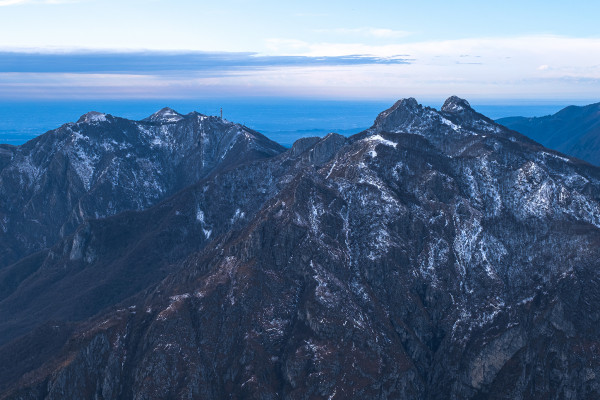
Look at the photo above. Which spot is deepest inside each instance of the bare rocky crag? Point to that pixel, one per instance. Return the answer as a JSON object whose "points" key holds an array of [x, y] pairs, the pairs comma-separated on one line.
{"points": [[436, 255]]}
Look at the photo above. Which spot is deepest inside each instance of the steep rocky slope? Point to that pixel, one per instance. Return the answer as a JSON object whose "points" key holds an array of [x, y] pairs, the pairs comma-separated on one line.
{"points": [[107, 260], [103, 165], [436, 255], [573, 130]]}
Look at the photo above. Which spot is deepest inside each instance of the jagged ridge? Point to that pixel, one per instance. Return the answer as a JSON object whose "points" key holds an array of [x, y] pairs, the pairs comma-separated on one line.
{"points": [[436, 255], [103, 165]]}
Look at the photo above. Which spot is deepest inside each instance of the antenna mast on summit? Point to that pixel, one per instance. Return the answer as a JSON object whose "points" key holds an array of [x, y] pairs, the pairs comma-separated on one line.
{"points": [[221, 113]]}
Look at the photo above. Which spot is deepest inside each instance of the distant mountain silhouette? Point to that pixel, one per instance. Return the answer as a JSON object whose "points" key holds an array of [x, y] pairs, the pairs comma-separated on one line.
{"points": [[573, 130]]}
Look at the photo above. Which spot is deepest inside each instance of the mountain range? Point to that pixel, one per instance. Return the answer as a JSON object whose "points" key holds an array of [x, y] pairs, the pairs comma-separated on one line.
{"points": [[436, 255], [103, 165], [573, 130]]}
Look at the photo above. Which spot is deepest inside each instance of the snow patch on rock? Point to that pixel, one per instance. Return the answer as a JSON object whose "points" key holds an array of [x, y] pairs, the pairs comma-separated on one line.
{"points": [[92, 117]]}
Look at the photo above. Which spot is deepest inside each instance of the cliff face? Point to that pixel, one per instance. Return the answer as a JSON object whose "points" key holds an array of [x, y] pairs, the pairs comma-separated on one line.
{"points": [[436, 255], [103, 165]]}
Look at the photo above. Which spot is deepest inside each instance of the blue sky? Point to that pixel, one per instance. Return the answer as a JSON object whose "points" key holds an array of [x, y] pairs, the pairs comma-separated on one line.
{"points": [[509, 50]]}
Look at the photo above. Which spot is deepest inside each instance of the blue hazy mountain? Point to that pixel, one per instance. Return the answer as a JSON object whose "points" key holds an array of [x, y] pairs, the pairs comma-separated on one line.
{"points": [[573, 130]]}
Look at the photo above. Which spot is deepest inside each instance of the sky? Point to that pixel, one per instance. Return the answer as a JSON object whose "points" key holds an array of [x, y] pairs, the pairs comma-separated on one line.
{"points": [[505, 51]]}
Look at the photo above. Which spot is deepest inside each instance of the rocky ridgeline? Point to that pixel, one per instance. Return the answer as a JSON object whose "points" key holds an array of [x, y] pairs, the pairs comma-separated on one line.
{"points": [[103, 165], [437, 255]]}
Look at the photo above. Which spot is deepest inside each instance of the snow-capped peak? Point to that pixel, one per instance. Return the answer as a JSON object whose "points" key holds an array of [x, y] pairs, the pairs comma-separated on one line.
{"points": [[91, 117], [165, 115], [407, 105], [455, 104]]}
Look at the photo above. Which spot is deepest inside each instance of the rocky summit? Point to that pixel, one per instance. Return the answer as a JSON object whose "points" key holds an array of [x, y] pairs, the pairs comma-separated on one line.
{"points": [[436, 255], [103, 165]]}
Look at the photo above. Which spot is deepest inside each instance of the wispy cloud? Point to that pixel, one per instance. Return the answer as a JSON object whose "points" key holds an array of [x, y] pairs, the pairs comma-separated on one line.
{"points": [[507, 58], [381, 33], [153, 62], [518, 47], [515, 67]]}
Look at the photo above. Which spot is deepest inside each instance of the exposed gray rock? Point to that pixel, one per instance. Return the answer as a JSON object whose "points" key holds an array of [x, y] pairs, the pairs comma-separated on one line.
{"points": [[103, 165], [437, 255]]}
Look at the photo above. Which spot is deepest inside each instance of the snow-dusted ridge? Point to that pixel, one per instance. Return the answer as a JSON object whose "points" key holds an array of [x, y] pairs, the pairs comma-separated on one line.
{"points": [[165, 115], [436, 255], [109, 164], [448, 129], [92, 117]]}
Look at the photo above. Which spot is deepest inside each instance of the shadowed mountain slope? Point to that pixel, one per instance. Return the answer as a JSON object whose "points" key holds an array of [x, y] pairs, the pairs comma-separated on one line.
{"points": [[436, 255], [103, 165]]}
